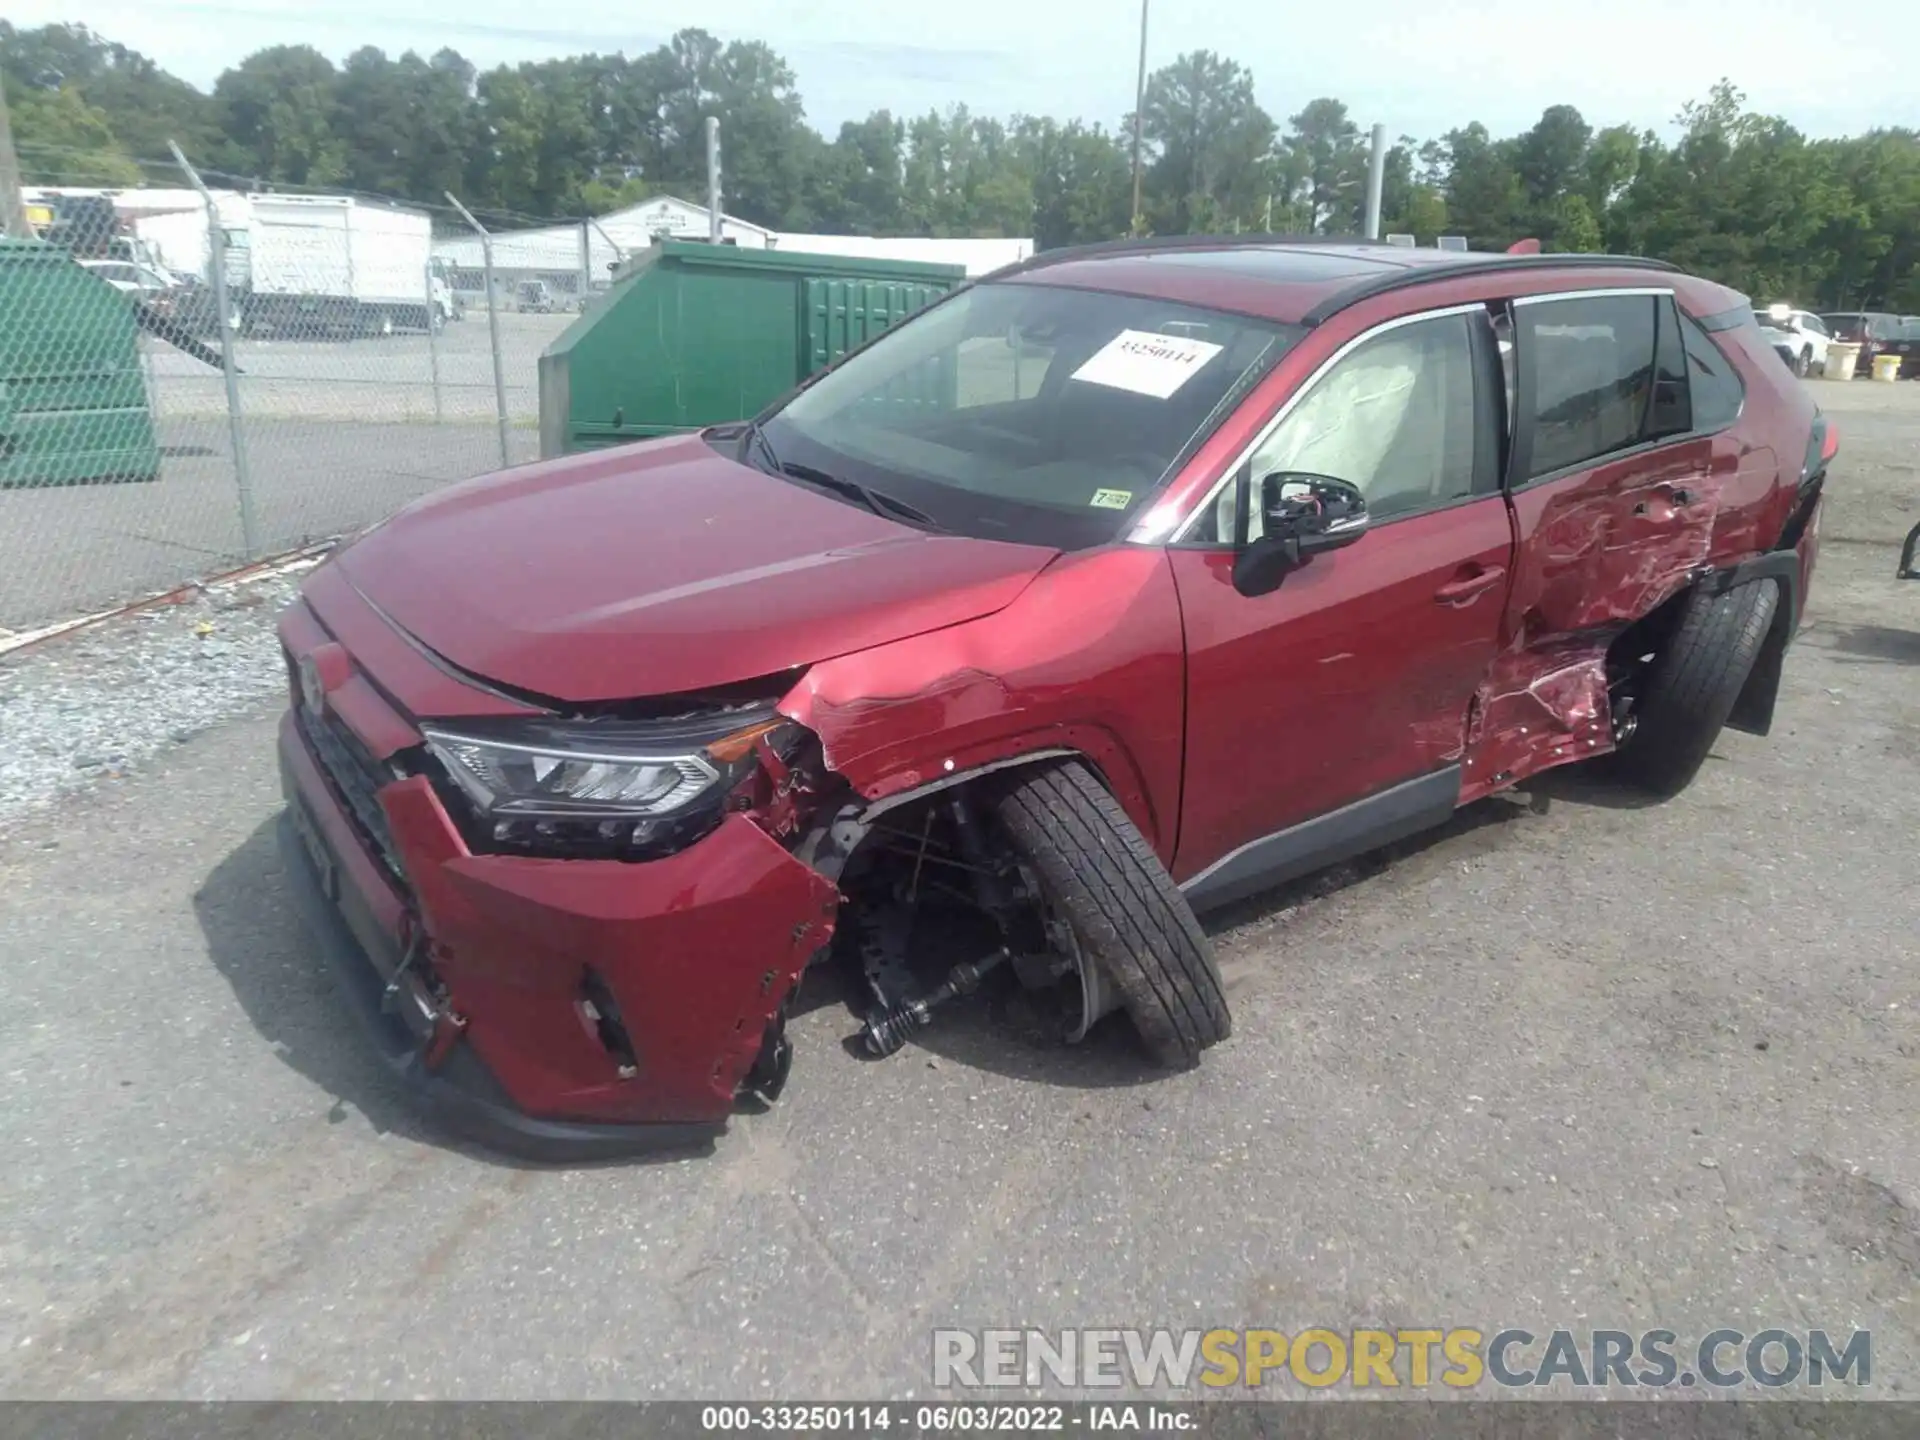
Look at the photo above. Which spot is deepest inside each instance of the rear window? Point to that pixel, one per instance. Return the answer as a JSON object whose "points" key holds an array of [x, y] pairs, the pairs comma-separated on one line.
{"points": [[1858, 325]]}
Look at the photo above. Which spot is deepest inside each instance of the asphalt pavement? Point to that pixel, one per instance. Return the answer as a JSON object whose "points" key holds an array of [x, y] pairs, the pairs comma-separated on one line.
{"points": [[1601, 1066]]}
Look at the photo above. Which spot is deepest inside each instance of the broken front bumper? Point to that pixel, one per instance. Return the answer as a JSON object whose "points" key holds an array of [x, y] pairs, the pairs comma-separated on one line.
{"points": [[487, 979]]}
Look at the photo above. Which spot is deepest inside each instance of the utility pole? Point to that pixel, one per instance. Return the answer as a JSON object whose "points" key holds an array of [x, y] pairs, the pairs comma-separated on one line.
{"points": [[1139, 104], [13, 206], [713, 179], [1376, 178]]}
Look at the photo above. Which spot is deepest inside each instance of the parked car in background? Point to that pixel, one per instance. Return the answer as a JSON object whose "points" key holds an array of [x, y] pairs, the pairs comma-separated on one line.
{"points": [[1783, 343], [1905, 342], [145, 283], [1869, 329], [534, 297], [1290, 551], [1808, 332]]}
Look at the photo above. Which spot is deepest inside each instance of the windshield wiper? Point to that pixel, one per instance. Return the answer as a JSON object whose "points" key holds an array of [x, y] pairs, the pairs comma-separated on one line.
{"points": [[754, 439], [878, 501]]}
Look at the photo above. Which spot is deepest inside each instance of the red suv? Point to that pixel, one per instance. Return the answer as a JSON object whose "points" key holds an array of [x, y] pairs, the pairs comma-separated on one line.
{"points": [[1115, 587]]}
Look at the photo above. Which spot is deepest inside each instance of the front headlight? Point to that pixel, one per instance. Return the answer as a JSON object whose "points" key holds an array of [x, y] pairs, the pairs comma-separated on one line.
{"points": [[607, 787]]}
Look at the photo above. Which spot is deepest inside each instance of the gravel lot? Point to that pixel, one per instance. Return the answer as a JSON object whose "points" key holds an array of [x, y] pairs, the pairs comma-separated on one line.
{"points": [[1601, 1066]]}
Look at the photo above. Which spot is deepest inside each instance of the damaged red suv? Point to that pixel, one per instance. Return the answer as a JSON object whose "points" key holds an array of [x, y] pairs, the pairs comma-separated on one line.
{"points": [[1118, 586]]}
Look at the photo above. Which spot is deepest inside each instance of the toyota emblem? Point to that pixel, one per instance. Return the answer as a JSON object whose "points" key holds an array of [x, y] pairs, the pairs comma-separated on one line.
{"points": [[312, 692]]}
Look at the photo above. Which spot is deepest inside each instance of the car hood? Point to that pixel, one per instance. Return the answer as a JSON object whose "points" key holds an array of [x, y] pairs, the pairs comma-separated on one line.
{"points": [[664, 568]]}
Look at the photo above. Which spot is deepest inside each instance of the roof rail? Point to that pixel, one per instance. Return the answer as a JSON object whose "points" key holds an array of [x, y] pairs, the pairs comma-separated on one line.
{"points": [[1149, 244], [1479, 263]]}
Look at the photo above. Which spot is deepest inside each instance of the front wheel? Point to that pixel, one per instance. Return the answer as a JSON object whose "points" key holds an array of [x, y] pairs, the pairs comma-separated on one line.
{"points": [[1127, 917]]}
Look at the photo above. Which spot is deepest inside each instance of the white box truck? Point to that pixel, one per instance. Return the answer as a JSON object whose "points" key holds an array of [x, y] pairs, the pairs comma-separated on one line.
{"points": [[311, 265], [333, 264]]}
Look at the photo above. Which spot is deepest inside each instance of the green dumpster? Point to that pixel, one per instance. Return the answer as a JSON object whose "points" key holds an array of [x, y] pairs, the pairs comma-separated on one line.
{"points": [[696, 335], [73, 397]]}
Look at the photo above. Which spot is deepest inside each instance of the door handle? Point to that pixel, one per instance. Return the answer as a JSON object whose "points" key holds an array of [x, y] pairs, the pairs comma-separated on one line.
{"points": [[1678, 497], [1469, 587]]}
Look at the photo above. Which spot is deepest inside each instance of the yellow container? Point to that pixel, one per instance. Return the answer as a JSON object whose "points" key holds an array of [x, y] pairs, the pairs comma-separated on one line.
{"points": [[1886, 367]]}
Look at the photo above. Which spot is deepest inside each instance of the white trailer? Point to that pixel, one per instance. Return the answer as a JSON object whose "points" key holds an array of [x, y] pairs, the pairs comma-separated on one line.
{"points": [[334, 263]]}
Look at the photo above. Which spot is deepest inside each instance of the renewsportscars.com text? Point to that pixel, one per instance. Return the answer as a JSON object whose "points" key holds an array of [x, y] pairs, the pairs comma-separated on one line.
{"points": [[1458, 1358]]}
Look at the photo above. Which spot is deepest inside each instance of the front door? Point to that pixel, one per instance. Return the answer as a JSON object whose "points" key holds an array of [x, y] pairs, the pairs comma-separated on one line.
{"points": [[1355, 676]]}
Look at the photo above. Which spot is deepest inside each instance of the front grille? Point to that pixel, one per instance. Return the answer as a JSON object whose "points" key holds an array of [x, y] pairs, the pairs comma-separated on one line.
{"points": [[356, 778]]}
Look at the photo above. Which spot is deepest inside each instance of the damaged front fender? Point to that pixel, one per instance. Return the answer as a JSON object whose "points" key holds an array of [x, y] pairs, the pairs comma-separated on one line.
{"points": [[1089, 661]]}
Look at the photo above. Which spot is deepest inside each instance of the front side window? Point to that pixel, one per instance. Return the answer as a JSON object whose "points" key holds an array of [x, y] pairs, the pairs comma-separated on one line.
{"points": [[1028, 412], [1395, 417]]}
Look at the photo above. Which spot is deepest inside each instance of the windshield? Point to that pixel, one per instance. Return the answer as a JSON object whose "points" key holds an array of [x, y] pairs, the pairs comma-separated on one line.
{"points": [[1026, 412]]}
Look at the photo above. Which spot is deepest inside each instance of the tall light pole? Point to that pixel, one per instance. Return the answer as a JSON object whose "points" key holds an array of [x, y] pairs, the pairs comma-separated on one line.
{"points": [[1139, 104], [13, 209]]}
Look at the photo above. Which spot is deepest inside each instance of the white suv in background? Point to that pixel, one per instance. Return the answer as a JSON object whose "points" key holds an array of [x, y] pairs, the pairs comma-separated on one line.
{"points": [[1810, 336]]}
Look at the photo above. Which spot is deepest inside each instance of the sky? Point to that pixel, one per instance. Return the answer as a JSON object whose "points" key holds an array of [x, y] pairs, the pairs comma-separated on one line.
{"points": [[1420, 67]]}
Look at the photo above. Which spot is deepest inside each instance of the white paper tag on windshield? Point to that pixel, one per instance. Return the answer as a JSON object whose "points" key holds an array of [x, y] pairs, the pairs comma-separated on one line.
{"points": [[1147, 363]]}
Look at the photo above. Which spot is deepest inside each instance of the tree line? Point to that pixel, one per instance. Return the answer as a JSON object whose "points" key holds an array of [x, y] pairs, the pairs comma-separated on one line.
{"points": [[1739, 196]]}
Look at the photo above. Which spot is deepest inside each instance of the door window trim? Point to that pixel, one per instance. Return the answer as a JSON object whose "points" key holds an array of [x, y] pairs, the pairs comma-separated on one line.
{"points": [[1181, 534], [1522, 418]]}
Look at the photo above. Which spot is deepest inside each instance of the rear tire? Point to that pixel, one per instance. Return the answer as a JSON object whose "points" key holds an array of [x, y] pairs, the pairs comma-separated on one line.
{"points": [[1696, 677], [1126, 912], [1803, 364]]}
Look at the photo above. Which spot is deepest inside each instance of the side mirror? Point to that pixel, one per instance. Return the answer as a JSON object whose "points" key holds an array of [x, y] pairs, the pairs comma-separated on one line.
{"points": [[1301, 516]]}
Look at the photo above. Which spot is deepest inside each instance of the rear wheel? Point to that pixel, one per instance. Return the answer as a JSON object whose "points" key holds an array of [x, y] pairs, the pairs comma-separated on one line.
{"points": [[1803, 363], [1681, 701], [1128, 919]]}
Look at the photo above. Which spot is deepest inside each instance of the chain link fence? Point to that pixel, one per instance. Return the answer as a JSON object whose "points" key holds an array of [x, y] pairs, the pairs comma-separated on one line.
{"points": [[148, 439]]}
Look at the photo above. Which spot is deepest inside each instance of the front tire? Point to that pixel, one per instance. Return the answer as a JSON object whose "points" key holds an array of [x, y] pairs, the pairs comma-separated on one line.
{"points": [[1127, 914], [1690, 689]]}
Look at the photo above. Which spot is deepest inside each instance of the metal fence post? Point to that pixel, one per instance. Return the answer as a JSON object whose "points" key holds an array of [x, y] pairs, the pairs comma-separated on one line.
{"points": [[586, 262], [433, 343], [222, 319], [493, 325], [619, 255]]}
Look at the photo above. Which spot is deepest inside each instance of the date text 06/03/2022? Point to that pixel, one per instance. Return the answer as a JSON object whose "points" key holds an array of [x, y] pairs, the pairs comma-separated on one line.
{"points": [[878, 1418]]}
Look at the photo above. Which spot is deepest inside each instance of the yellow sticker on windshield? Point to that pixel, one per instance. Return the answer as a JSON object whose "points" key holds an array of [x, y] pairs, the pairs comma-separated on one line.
{"points": [[1112, 499]]}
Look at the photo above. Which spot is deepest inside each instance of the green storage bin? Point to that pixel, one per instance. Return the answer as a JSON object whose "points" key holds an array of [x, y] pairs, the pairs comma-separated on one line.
{"points": [[697, 335], [73, 396]]}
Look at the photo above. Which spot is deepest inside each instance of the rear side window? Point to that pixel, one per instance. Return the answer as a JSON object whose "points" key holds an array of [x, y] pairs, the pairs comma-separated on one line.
{"points": [[1672, 408], [1586, 375], [1713, 383]]}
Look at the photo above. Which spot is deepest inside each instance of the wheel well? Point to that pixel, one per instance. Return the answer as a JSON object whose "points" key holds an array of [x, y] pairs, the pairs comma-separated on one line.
{"points": [[838, 835]]}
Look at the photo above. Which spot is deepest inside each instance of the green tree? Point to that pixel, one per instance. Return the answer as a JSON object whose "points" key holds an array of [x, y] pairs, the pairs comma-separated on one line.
{"points": [[1572, 229], [1329, 167], [62, 140], [142, 106], [1207, 136], [1550, 163], [279, 111]]}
